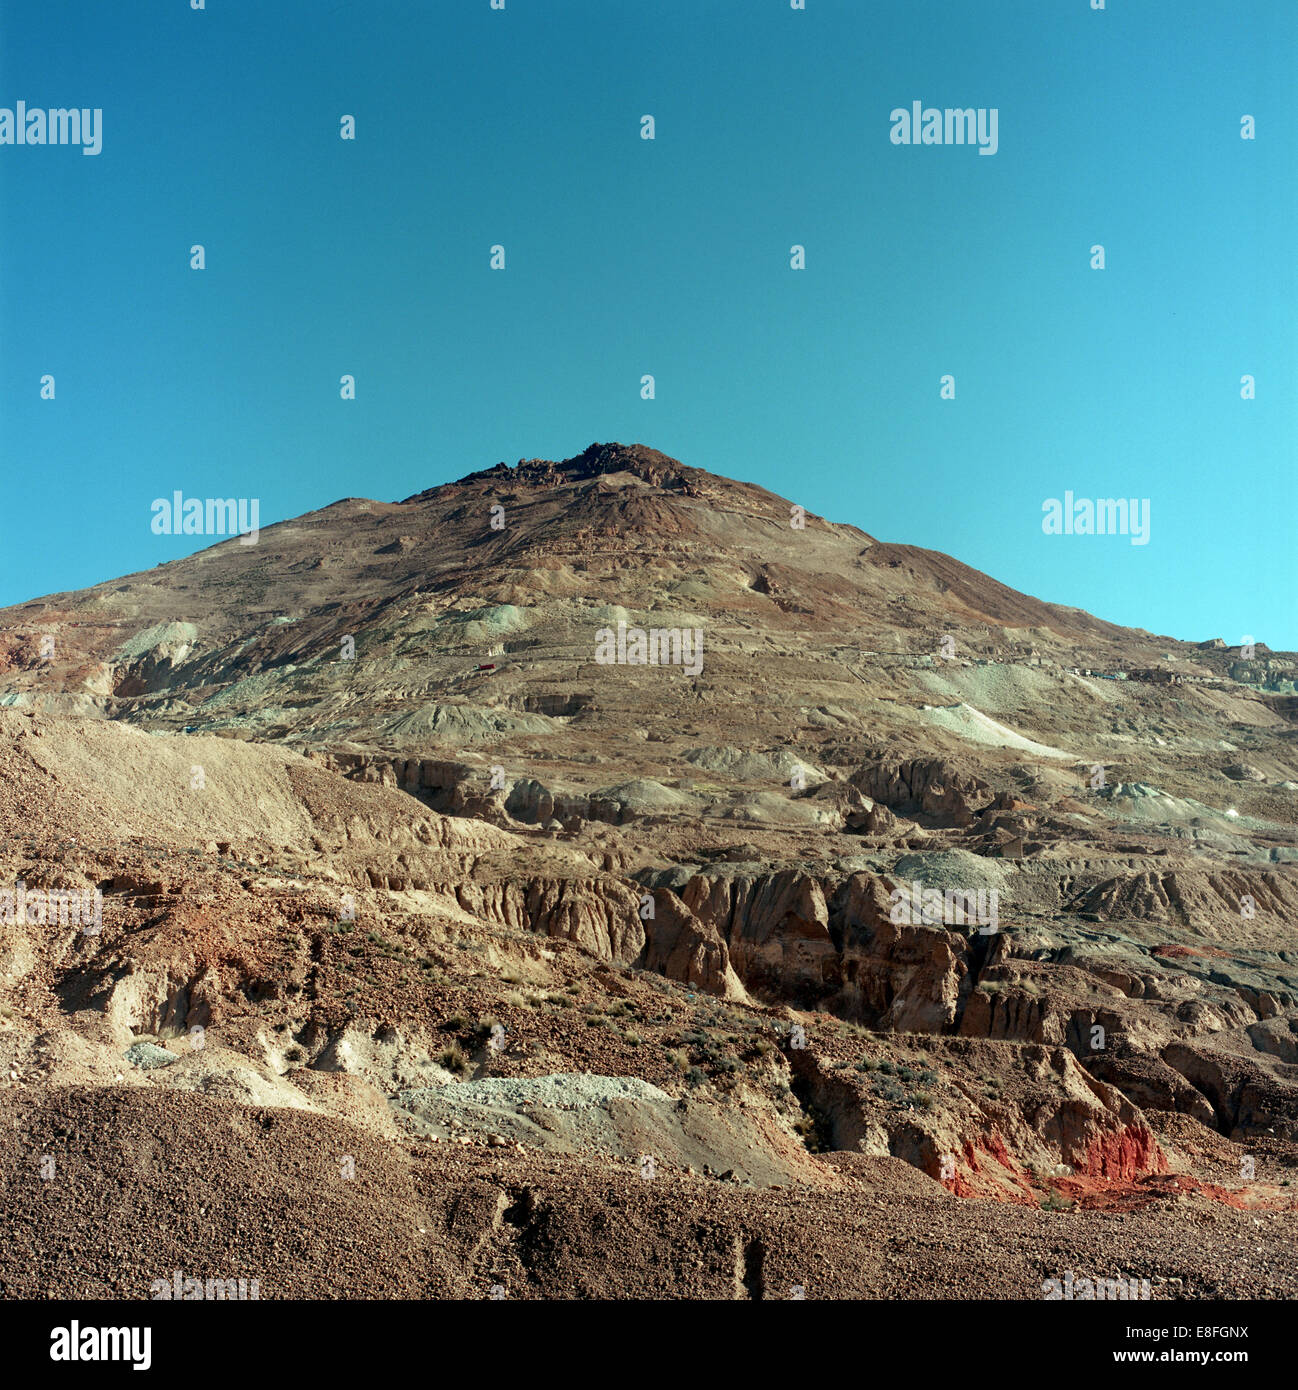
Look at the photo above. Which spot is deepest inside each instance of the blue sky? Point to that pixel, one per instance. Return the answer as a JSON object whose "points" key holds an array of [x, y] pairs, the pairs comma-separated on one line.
{"points": [[668, 257]]}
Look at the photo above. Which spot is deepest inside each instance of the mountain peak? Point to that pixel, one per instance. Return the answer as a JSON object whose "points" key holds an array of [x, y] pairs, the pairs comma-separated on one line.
{"points": [[598, 460]]}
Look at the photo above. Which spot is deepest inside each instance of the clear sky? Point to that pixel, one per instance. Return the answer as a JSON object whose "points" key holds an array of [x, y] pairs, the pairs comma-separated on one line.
{"points": [[670, 257]]}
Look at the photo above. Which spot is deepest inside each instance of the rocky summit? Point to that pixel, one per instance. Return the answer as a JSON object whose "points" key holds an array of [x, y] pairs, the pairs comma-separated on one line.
{"points": [[602, 878]]}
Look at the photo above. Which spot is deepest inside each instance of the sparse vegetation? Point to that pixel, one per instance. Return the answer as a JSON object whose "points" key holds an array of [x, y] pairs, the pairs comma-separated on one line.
{"points": [[1056, 1201]]}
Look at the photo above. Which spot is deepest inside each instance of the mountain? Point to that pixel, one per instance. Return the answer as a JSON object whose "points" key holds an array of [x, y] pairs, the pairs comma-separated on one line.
{"points": [[885, 888]]}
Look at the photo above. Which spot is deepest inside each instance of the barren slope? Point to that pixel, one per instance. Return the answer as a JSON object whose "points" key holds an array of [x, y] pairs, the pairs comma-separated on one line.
{"points": [[620, 979]]}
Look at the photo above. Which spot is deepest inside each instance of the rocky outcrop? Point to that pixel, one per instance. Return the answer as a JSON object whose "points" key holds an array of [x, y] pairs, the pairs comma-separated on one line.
{"points": [[684, 948], [895, 975], [1151, 1083], [601, 915], [1213, 902], [612, 920], [1051, 1120], [923, 786], [777, 929], [482, 792], [1012, 1013], [845, 807], [793, 937], [1247, 1101]]}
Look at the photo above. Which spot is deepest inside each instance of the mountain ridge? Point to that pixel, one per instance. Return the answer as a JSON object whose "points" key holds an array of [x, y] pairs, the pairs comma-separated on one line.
{"points": [[1008, 606]]}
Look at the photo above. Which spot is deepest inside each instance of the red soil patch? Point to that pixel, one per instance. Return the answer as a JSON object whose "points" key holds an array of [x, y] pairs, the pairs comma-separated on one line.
{"points": [[1006, 1182], [1101, 1195], [1125, 1155], [1118, 1167]]}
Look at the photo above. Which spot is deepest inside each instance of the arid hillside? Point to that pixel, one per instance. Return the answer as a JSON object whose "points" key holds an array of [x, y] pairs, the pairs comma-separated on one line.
{"points": [[602, 879]]}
